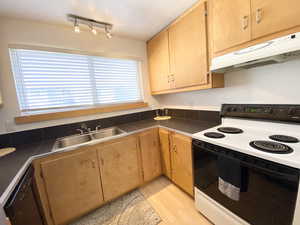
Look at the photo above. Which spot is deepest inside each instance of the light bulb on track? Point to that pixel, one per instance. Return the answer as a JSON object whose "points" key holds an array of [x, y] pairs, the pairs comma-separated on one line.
{"points": [[76, 27], [93, 30]]}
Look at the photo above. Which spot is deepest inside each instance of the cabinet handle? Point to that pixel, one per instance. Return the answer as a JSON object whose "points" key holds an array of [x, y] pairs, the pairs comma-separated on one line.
{"points": [[174, 149], [93, 164], [245, 22], [258, 15]]}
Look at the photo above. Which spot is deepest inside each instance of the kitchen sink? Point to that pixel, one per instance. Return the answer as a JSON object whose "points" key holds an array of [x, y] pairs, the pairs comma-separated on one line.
{"points": [[108, 132], [85, 138]]}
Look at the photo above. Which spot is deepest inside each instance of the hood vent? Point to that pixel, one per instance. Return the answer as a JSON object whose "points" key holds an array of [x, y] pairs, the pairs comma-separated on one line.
{"points": [[276, 51]]}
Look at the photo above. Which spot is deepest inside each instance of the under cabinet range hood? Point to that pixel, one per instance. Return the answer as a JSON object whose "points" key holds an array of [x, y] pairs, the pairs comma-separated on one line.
{"points": [[275, 51]]}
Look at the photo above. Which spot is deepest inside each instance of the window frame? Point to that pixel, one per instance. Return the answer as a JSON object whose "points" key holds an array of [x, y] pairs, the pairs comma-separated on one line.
{"points": [[67, 112]]}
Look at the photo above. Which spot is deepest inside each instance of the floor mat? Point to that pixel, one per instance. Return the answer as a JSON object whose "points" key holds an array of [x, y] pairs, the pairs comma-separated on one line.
{"points": [[130, 209]]}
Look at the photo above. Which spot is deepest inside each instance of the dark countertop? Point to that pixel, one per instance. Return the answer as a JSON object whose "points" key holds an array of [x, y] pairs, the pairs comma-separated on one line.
{"points": [[12, 163]]}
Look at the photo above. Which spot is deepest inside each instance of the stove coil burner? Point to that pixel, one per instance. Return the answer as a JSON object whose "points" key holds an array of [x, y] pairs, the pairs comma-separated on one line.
{"points": [[214, 135], [230, 130], [271, 147], [284, 138]]}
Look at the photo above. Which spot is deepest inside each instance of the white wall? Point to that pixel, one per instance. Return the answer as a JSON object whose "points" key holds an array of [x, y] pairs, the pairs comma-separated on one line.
{"points": [[34, 33], [273, 84]]}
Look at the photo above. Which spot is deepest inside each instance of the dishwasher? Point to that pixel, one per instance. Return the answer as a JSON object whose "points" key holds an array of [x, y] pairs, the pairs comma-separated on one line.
{"points": [[21, 207]]}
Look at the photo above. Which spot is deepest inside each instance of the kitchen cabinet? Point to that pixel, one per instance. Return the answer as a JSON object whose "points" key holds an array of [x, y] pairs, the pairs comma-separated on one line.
{"points": [[178, 56], [237, 24], [270, 16], [119, 166], [181, 159], [188, 49], [231, 23], [158, 59], [150, 154], [165, 152], [72, 185]]}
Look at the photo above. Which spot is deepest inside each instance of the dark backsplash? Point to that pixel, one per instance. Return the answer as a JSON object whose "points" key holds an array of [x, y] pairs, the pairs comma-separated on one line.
{"points": [[36, 135]]}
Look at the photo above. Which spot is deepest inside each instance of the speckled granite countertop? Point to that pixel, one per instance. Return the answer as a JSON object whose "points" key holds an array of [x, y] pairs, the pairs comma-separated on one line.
{"points": [[11, 164]]}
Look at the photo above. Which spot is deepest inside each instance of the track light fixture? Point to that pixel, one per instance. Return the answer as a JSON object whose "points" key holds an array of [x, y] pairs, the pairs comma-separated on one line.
{"points": [[108, 32], [93, 30], [92, 24], [76, 26]]}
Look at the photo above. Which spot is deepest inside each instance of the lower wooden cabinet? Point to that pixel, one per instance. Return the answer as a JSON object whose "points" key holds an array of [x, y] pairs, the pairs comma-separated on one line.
{"points": [[177, 159], [165, 152], [150, 154], [72, 185], [120, 167], [181, 158]]}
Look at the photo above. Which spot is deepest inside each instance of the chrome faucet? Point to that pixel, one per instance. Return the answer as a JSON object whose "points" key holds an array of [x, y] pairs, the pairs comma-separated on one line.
{"points": [[84, 129]]}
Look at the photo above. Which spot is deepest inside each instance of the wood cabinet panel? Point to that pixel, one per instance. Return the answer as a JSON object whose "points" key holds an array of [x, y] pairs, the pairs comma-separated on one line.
{"points": [[189, 49], [150, 153], [181, 153], [158, 59], [231, 23], [120, 167], [269, 16], [165, 152], [73, 185]]}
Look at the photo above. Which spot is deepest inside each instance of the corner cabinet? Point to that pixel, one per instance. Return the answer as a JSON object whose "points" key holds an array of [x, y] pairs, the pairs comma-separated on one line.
{"points": [[150, 154], [238, 24], [178, 56]]}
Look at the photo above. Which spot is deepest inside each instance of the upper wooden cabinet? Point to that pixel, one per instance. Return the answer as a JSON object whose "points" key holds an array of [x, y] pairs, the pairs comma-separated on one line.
{"points": [[269, 16], [178, 56], [158, 59], [72, 184], [150, 152], [188, 49], [241, 23], [120, 166], [231, 23]]}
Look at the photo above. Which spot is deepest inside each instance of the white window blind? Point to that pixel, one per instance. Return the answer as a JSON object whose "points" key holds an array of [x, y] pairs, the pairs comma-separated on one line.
{"points": [[52, 81]]}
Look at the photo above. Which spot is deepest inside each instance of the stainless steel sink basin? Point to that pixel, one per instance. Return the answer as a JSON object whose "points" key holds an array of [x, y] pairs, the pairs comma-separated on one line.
{"points": [[72, 140], [84, 138], [107, 132]]}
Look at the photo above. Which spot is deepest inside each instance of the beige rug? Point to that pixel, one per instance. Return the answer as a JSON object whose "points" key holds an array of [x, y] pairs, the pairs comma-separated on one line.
{"points": [[130, 209]]}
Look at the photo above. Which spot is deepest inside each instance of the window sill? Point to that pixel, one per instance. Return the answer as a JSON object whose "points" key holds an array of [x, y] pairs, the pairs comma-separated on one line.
{"points": [[77, 113]]}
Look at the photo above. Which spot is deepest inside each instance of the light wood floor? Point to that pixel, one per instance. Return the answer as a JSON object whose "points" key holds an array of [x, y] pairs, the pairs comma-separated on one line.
{"points": [[173, 205]]}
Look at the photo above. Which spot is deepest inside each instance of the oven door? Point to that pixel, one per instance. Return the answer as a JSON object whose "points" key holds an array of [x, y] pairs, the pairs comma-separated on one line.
{"points": [[271, 193]]}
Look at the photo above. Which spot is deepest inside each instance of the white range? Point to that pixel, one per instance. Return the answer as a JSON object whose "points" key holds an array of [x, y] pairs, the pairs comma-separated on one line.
{"points": [[264, 139]]}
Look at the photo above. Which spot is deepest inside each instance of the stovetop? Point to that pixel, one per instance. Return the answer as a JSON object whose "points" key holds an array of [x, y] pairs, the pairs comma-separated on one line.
{"points": [[257, 130]]}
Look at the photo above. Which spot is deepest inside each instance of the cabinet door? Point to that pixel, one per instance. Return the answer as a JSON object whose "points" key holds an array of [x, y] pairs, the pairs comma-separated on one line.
{"points": [[120, 168], [231, 23], [182, 174], [271, 16], [158, 59], [165, 152], [188, 49], [73, 185], [150, 152]]}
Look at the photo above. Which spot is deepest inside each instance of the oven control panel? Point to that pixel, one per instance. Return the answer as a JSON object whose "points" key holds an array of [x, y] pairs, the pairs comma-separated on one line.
{"points": [[287, 113]]}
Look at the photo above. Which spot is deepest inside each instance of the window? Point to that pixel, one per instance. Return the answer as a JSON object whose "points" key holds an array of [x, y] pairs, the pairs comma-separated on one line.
{"points": [[54, 81]]}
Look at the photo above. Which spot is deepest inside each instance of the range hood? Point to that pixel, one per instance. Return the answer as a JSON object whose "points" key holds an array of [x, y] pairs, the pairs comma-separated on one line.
{"points": [[275, 51]]}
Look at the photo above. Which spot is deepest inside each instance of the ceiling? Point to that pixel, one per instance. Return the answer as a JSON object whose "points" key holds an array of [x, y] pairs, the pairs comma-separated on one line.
{"points": [[138, 19]]}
